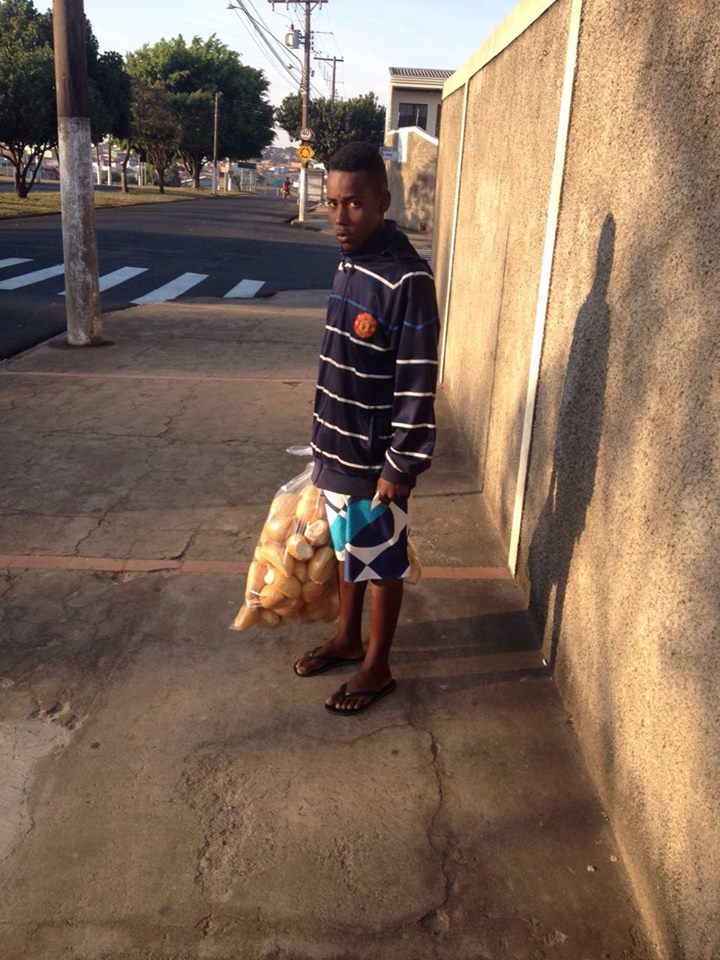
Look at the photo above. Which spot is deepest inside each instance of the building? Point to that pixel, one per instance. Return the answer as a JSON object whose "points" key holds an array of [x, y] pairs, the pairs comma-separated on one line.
{"points": [[415, 98]]}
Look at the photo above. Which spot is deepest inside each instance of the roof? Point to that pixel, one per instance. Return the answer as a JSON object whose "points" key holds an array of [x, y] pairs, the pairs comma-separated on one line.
{"points": [[420, 73]]}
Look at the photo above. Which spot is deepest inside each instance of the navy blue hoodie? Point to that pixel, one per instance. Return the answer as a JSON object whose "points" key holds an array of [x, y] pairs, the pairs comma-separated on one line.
{"points": [[374, 401]]}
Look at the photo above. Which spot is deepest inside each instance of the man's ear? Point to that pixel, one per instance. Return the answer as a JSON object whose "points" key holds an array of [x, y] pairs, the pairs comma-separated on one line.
{"points": [[385, 201]]}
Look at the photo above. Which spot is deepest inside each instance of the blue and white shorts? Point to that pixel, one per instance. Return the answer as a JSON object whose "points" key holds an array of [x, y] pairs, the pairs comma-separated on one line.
{"points": [[371, 544]]}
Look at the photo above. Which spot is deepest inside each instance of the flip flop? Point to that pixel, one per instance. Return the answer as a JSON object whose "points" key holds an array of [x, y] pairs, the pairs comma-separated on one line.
{"points": [[328, 662], [374, 695]]}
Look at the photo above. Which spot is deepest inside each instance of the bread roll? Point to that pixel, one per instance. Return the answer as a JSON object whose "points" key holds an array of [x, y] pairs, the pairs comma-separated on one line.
{"points": [[284, 504], [268, 618], [312, 592], [255, 578], [270, 597], [276, 557], [322, 564], [310, 505], [321, 610], [300, 571], [248, 616], [317, 533], [290, 610], [289, 587], [277, 529], [298, 547]]}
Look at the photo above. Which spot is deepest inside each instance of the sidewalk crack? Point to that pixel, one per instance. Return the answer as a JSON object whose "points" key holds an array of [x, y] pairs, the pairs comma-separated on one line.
{"points": [[436, 921]]}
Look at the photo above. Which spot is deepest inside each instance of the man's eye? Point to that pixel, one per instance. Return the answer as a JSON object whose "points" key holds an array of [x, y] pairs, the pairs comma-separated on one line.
{"points": [[355, 203]]}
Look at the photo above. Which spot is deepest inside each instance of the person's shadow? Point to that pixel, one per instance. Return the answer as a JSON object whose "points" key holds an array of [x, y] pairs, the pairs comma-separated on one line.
{"points": [[579, 428]]}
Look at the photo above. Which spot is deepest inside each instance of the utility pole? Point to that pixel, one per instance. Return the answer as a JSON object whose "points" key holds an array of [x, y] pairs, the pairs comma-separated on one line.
{"points": [[305, 111], [334, 61], [82, 294], [304, 93], [215, 144]]}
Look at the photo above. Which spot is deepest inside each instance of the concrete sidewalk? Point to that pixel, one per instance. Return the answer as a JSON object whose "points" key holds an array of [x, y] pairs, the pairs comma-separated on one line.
{"points": [[170, 788]]}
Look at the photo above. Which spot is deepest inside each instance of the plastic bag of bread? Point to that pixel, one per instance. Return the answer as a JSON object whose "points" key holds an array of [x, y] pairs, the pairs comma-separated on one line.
{"points": [[293, 572]]}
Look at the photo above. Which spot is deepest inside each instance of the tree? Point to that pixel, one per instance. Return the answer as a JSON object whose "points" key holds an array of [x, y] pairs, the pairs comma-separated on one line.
{"points": [[154, 127], [28, 117], [334, 124], [110, 99], [193, 74]]}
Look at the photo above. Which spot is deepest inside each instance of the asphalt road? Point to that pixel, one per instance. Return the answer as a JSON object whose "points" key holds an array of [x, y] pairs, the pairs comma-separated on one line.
{"points": [[238, 246]]}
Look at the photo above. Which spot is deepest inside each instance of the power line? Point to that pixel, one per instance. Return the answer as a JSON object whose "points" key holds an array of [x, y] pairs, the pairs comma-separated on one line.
{"points": [[266, 57], [261, 35]]}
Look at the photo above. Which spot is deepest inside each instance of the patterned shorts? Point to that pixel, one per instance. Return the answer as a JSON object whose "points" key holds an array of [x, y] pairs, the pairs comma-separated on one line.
{"points": [[370, 543]]}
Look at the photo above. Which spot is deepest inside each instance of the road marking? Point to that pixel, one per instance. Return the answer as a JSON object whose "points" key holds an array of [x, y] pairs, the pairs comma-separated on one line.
{"points": [[13, 261], [172, 290], [245, 289], [26, 279], [109, 280]]}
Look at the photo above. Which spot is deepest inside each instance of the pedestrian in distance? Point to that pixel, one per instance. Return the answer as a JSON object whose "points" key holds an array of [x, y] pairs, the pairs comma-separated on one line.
{"points": [[285, 189], [373, 430]]}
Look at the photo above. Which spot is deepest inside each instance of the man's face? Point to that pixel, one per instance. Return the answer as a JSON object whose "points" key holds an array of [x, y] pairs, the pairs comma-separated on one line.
{"points": [[356, 210]]}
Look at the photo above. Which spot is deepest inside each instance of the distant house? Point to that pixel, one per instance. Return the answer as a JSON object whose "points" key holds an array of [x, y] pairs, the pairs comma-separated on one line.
{"points": [[415, 98]]}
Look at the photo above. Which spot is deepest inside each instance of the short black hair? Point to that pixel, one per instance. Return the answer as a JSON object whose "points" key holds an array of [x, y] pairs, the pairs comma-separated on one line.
{"points": [[359, 156]]}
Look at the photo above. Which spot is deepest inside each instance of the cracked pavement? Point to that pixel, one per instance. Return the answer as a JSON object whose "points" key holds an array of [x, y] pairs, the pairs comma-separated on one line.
{"points": [[171, 789]]}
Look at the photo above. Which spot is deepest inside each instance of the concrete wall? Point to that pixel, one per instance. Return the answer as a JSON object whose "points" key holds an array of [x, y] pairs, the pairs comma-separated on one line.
{"points": [[619, 506], [412, 178]]}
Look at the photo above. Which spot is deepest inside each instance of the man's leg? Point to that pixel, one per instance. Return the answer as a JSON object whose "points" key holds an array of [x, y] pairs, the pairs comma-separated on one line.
{"points": [[347, 642], [374, 674]]}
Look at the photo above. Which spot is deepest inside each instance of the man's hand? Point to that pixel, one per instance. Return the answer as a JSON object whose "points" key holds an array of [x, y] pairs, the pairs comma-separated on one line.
{"points": [[389, 492]]}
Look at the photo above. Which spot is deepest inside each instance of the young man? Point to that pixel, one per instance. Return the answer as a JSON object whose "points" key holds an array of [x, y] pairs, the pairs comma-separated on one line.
{"points": [[374, 424]]}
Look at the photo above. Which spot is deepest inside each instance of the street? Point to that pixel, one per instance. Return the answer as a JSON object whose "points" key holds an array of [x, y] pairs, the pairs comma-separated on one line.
{"points": [[233, 247]]}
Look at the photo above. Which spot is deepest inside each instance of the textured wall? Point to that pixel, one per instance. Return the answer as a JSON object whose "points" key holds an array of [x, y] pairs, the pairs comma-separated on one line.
{"points": [[621, 527], [412, 182], [512, 115], [448, 149], [618, 547]]}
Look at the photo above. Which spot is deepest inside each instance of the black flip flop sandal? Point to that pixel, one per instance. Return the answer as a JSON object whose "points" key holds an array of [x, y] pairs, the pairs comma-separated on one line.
{"points": [[374, 695], [328, 662]]}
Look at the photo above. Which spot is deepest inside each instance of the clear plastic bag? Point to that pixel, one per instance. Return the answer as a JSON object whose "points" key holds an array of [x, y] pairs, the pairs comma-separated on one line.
{"points": [[293, 572]]}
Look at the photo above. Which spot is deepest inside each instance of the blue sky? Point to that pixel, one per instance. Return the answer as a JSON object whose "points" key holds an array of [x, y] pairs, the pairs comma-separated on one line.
{"points": [[371, 35]]}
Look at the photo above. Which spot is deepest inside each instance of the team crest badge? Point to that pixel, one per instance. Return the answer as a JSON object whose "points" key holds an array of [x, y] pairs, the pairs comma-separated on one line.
{"points": [[365, 325]]}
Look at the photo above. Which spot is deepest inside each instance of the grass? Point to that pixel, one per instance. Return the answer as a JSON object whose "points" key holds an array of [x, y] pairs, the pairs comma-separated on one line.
{"points": [[40, 202]]}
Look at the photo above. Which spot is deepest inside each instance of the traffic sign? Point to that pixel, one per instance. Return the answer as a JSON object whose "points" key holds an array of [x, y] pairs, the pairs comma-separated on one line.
{"points": [[305, 153], [306, 133]]}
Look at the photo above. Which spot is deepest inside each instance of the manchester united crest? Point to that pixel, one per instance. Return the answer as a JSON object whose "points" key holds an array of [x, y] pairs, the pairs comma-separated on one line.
{"points": [[365, 325]]}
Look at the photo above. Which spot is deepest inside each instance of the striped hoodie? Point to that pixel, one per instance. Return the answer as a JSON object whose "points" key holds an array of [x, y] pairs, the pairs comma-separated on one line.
{"points": [[374, 401]]}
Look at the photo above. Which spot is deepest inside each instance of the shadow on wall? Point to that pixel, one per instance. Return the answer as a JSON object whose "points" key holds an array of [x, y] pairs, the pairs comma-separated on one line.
{"points": [[420, 202], [579, 428]]}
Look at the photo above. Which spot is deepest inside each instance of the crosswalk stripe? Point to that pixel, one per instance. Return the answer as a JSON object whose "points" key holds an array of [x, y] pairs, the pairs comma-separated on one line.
{"points": [[25, 279], [13, 261], [109, 280], [246, 288], [172, 290]]}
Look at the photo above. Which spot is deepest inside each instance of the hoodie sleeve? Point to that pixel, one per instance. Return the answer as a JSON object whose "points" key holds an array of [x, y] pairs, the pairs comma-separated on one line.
{"points": [[417, 325]]}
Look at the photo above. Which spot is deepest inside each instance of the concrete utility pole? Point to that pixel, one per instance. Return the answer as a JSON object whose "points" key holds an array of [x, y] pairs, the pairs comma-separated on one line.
{"points": [[82, 300], [305, 93], [215, 143], [334, 61]]}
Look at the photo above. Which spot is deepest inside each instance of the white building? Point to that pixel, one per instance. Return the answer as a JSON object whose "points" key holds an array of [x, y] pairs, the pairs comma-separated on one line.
{"points": [[414, 98]]}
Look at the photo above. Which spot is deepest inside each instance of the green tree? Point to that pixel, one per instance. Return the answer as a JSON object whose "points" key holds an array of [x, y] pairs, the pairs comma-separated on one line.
{"points": [[154, 127], [110, 100], [193, 74], [334, 124], [28, 118]]}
